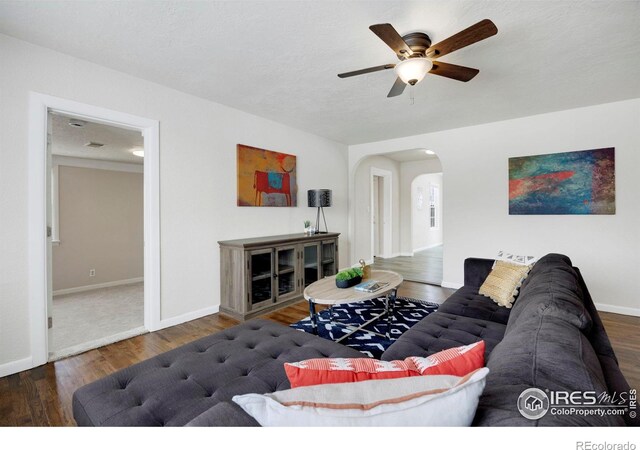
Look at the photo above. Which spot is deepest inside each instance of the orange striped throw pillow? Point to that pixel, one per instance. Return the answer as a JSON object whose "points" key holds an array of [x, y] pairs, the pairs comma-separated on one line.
{"points": [[457, 361], [346, 370]]}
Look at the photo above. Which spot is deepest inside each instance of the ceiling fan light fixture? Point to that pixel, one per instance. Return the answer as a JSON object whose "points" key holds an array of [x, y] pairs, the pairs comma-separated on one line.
{"points": [[413, 70]]}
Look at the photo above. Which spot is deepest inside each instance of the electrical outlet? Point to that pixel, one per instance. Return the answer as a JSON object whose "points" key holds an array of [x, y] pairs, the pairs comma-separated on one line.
{"points": [[92, 272]]}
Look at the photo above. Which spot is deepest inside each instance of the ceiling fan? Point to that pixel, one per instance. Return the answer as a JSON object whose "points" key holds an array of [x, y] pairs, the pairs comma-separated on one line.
{"points": [[418, 57]]}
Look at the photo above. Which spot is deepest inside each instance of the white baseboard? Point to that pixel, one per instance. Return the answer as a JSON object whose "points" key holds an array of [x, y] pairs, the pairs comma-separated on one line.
{"points": [[406, 254], [426, 247], [15, 366], [618, 309], [448, 284], [86, 346], [172, 321], [91, 287]]}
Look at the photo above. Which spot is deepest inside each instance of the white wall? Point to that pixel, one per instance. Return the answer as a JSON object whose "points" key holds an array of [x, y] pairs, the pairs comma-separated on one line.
{"points": [[197, 181], [477, 222], [362, 207], [101, 227], [422, 235]]}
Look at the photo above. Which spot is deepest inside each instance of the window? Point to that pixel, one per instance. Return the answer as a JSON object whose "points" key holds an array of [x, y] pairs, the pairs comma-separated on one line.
{"points": [[434, 215]]}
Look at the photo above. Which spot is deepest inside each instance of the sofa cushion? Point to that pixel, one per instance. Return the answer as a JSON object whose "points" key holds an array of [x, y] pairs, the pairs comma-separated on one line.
{"points": [[346, 370], [223, 414], [175, 387], [552, 287], [457, 361], [467, 302], [437, 400], [546, 352], [440, 331]]}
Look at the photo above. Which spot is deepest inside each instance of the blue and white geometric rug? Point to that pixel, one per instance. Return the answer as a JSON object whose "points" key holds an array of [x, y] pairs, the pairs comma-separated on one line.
{"points": [[406, 313]]}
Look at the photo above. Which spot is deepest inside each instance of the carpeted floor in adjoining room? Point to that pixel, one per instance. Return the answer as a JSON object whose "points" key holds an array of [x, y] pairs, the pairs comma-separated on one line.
{"points": [[372, 340], [90, 319]]}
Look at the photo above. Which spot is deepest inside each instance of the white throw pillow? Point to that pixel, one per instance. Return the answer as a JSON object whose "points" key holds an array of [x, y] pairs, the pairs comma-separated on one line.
{"points": [[431, 400], [522, 260]]}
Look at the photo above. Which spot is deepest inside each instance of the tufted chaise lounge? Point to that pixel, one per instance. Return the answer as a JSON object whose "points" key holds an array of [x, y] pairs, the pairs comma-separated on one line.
{"points": [[173, 388]]}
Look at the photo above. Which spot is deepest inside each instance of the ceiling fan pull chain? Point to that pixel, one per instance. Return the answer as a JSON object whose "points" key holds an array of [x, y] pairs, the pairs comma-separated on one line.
{"points": [[411, 97]]}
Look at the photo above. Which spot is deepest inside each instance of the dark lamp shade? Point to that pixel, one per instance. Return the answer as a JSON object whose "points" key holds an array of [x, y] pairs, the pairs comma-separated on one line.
{"points": [[318, 198]]}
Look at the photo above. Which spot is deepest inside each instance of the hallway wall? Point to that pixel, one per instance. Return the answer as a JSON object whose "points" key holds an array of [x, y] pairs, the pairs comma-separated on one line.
{"points": [[101, 227]]}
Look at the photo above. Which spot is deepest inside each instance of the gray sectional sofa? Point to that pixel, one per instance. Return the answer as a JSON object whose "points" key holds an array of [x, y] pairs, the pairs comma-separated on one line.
{"points": [[552, 339]]}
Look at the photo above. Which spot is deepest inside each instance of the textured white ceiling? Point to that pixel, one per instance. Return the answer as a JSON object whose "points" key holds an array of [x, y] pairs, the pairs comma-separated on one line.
{"points": [[279, 59], [70, 141]]}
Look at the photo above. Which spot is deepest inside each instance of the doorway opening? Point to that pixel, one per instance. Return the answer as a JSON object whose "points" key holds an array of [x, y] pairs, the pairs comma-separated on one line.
{"points": [[378, 209], [96, 268], [381, 219], [43, 212], [426, 228], [416, 247]]}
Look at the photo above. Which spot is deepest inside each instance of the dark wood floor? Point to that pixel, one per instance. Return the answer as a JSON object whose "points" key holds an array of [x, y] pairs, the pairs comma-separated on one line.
{"points": [[424, 266], [42, 396]]}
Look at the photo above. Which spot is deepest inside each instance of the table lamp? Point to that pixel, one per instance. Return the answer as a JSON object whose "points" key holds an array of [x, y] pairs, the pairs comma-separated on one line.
{"points": [[319, 198]]}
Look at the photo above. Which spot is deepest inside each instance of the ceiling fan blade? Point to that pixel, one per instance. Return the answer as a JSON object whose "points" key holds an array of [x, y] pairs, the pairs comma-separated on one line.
{"points": [[397, 88], [454, 71], [368, 70], [392, 38], [481, 30]]}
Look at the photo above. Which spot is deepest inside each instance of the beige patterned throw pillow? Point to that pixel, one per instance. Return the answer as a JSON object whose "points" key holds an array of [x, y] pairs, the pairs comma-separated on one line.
{"points": [[503, 282]]}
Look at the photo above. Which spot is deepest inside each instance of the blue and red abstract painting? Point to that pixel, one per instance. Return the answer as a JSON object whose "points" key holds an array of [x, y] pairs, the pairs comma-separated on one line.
{"points": [[580, 182]]}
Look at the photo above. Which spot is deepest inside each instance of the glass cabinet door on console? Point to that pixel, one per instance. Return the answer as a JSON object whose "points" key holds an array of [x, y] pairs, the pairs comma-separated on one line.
{"points": [[261, 278], [286, 271], [311, 263], [329, 265]]}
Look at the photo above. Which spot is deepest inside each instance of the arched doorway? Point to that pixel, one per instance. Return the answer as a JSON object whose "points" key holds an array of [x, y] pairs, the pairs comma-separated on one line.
{"points": [[415, 223]]}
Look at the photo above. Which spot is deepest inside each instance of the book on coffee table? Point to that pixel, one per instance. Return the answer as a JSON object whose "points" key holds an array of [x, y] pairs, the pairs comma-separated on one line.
{"points": [[370, 286]]}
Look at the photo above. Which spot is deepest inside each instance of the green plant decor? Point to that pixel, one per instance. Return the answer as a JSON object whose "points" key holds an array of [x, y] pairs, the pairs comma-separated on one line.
{"points": [[307, 223], [348, 274]]}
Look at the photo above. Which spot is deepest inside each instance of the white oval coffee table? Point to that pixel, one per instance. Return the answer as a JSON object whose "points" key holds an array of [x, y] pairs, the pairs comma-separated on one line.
{"points": [[325, 292]]}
